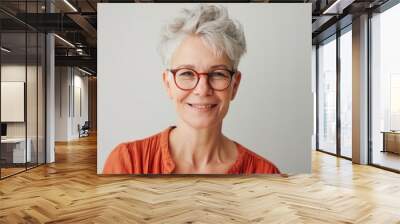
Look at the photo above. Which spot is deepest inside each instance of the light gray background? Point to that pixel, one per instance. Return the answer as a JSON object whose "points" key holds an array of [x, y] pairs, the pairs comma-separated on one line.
{"points": [[272, 114]]}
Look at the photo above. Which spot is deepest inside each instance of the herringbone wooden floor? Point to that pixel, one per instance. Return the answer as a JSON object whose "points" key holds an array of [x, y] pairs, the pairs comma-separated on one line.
{"points": [[69, 191]]}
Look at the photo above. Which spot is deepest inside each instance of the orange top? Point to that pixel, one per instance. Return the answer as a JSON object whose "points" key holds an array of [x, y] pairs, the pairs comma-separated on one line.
{"points": [[152, 156]]}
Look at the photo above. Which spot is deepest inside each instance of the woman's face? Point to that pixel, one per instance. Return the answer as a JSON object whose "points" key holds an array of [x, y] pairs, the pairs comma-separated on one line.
{"points": [[201, 107]]}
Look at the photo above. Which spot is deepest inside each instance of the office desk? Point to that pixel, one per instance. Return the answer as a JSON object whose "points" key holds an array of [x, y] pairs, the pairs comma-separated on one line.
{"points": [[391, 141], [13, 150]]}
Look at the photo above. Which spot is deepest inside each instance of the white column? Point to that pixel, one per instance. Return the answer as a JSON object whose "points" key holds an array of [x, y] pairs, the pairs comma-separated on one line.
{"points": [[360, 90], [50, 92], [50, 110]]}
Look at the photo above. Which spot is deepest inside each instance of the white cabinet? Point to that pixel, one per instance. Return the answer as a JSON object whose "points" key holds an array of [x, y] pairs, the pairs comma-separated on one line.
{"points": [[12, 101], [18, 149]]}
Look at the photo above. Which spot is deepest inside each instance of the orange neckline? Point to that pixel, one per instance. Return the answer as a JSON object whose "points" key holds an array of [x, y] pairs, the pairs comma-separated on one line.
{"points": [[169, 163]]}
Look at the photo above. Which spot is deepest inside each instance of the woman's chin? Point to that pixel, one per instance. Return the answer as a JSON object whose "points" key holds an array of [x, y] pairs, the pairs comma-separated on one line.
{"points": [[201, 123]]}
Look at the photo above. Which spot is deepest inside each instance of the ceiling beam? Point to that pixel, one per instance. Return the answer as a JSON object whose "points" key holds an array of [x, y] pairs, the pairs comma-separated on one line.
{"points": [[85, 61], [84, 24]]}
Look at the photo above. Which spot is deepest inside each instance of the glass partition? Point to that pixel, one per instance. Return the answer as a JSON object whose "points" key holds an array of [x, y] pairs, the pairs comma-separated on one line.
{"points": [[22, 63], [13, 111]]}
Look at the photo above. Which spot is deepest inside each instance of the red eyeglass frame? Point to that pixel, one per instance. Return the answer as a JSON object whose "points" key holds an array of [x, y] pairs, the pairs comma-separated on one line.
{"points": [[174, 71]]}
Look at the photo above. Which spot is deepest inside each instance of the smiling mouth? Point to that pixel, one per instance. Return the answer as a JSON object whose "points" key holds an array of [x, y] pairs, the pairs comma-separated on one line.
{"points": [[202, 107]]}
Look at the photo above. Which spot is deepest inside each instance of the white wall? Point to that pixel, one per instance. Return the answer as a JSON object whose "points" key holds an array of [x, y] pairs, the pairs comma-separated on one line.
{"points": [[61, 103], [68, 80], [273, 112]]}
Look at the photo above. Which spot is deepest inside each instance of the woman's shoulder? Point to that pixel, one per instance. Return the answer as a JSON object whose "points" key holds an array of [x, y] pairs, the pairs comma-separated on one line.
{"points": [[148, 145], [254, 163], [143, 143], [128, 155]]}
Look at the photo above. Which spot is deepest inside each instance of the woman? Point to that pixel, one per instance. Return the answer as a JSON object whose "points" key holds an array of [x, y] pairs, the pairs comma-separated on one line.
{"points": [[202, 49]]}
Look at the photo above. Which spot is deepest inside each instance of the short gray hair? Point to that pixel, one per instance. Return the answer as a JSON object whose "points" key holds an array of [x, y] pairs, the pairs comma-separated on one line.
{"points": [[212, 24]]}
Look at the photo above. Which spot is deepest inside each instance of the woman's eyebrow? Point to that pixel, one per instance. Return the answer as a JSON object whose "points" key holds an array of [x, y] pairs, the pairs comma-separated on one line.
{"points": [[219, 66], [212, 67], [186, 66]]}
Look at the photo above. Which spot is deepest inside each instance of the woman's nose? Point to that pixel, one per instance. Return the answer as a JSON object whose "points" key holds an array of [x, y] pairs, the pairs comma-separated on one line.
{"points": [[203, 87]]}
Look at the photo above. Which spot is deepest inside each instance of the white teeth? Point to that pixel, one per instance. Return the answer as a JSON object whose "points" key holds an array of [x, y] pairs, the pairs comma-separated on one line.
{"points": [[201, 106]]}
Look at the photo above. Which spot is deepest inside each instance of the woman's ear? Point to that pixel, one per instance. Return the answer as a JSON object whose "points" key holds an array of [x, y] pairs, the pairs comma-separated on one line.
{"points": [[167, 84], [236, 82]]}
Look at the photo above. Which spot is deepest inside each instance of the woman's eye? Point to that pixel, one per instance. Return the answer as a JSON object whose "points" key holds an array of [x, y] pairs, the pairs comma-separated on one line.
{"points": [[218, 75], [186, 75]]}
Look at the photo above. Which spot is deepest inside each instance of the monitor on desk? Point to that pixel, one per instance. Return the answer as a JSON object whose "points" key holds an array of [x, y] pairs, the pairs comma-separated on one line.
{"points": [[3, 130]]}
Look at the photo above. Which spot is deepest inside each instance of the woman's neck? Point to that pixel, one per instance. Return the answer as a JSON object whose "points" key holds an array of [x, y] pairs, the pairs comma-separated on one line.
{"points": [[198, 147]]}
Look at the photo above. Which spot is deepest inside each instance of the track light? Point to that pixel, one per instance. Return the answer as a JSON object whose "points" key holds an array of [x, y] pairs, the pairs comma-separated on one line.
{"points": [[84, 71], [5, 50], [70, 5], [338, 6], [64, 40]]}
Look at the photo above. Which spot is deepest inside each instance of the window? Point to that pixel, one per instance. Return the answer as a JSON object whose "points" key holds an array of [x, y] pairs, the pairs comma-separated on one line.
{"points": [[346, 93], [327, 96], [385, 89]]}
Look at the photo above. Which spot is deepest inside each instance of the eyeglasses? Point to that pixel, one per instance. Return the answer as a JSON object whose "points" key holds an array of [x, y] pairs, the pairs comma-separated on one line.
{"points": [[187, 79]]}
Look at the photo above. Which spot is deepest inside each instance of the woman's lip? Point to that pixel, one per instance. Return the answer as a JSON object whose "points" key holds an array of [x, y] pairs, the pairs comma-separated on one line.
{"points": [[202, 106]]}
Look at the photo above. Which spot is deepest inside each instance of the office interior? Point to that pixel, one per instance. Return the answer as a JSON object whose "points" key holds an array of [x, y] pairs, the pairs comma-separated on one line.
{"points": [[48, 90]]}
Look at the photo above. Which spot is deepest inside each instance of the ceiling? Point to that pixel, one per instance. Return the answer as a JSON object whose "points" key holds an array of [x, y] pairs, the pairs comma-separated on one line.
{"points": [[76, 22]]}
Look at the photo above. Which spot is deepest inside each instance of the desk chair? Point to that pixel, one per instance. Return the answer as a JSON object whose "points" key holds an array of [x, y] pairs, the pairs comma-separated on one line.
{"points": [[84, 130]]}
